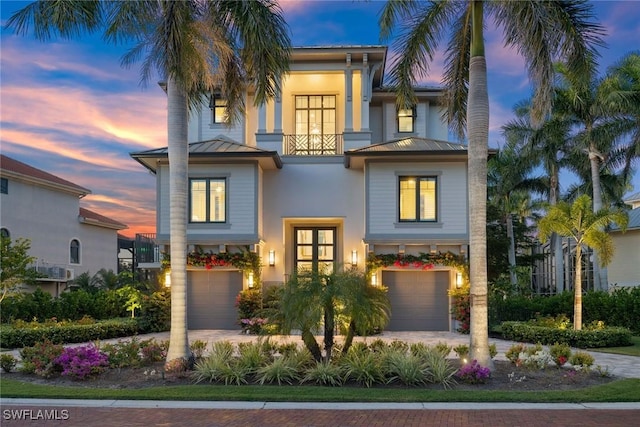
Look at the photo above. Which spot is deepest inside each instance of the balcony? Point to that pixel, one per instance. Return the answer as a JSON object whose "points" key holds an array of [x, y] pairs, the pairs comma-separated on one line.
{"points": [[147, 251], [313, 145], [52, 272]]}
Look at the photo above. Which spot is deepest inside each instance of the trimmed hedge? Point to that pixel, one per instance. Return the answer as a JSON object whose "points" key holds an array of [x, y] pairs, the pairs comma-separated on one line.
{"points": [[11, 337], [619, 308], [606, 337]]}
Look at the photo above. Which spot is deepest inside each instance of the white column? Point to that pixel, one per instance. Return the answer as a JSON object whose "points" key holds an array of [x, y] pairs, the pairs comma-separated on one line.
{"points": [[365, 86], [262, 118], [277, 112], [348, 104]]}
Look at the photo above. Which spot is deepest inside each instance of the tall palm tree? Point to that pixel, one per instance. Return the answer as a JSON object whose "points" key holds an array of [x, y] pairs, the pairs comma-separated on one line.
{"points": [[198, 46], [585, 227], [548, 144], [509, 183], [541, 31]]}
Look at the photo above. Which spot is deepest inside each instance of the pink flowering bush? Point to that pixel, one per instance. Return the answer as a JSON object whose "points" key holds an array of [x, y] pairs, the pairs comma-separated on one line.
{"points": [[253, 325], [473, 373], [82, 362]]}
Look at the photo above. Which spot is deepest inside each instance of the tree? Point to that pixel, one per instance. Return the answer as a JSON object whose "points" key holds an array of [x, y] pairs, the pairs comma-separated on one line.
{"points": [[14, 268], [198, 47], [105, 279], [548, 144], [509, 186], [541, 31], [585, 227], [311, 299]]}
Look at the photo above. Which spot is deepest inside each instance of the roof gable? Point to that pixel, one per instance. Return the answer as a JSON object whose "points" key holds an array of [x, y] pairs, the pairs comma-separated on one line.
{"points": [[89, 217]]}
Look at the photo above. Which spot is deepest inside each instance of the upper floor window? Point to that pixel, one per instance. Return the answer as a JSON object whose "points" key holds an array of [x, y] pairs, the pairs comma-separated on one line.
{"points": [[418, 198], [4, 186], [4, 232], [74, 252], [406, 120], [218, 107], [315, 125], [207, 199]]}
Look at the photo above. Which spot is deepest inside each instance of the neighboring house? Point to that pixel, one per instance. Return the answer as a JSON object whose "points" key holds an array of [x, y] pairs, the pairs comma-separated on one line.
{"points": [[322, 176], [624, 269], [66, 239]]}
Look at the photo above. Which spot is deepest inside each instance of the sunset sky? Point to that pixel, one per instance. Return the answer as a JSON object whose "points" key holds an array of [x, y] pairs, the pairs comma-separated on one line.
{"points": [[67, 107]]}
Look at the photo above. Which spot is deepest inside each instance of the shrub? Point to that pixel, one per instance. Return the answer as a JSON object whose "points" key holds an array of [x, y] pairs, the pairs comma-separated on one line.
{"points": [[581, 359], [560, 353], [82, 362], [324, 373], [409, 369], [198, 348], [461, 308], [362, 367], [153, 351], [462, 351], [155, 314], [7, 362], [253, 355], [439, 370], [514, 352], [123, 354], [443, 348], [211, 368], [493, 350], [281, 370], [40, 359], [473, 373]]}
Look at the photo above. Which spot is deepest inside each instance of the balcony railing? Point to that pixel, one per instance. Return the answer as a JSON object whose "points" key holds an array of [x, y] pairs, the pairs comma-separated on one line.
{"points": [[313, 145], [147, 249], [55, 272]]}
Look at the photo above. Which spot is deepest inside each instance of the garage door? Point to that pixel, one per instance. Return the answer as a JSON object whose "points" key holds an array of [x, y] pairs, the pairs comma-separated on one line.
{"points": [[211, 299], [419, 300]]}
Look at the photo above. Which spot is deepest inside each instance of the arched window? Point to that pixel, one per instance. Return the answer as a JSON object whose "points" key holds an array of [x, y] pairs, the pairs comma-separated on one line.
{"points": [[74, 252], [5, 232]]}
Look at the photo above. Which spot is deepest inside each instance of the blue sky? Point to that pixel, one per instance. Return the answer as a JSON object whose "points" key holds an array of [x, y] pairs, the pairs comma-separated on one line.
{"points": [[67, 107]]}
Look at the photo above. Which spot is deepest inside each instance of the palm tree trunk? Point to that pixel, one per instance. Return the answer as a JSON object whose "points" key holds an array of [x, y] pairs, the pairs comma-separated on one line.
{"points": [[348, 340], [478, 134], [577, 299], [329, 325], [512, 251], [178, 176], [310, 342], [594, 160], [556, 240]]}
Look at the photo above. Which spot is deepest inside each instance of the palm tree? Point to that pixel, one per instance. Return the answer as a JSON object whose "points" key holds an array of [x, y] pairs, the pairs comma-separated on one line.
{"points": [[105, 279], [541, 31], [197, 46], [585, 227], [311, 299], [509, 185], [548, 145]]}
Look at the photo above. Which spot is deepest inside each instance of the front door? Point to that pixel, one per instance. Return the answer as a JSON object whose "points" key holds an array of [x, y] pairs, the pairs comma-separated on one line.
{"points": [[315, 249]]}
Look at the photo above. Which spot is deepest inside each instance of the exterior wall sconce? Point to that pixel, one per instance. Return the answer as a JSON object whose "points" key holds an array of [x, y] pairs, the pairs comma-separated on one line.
{"points": [[250, 280], [458, 280], [354, 257], [167, 279], [374, 279], [272, 258]]}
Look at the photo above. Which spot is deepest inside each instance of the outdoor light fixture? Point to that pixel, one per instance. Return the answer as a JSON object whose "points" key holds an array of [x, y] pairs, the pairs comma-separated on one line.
{"points": [[458, 280], [354, 257], [374, 279], [272, 258], [250, 279], [167, 278]]}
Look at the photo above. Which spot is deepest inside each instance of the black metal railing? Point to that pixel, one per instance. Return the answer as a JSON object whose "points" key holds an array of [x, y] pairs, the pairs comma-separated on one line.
{"points": [[147, 249], [313, 145]]}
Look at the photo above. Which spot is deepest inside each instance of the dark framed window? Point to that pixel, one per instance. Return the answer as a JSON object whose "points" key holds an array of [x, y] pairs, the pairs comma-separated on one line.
{"points": [[74, 252], [315, 249], [4, 232], [418, 198], [207, 200], [218, 107], [406, 120], [4, 186]]}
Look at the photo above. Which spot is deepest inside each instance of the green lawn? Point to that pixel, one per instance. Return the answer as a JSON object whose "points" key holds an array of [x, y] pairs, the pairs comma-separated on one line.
{"points": [[626, 390], [632, 350]]}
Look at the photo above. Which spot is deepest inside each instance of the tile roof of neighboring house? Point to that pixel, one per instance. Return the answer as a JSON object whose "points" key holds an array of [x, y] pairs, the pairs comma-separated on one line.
{"points": [[634, 221], [22, 171], [218, 147], [89, 217], [408, 147]]}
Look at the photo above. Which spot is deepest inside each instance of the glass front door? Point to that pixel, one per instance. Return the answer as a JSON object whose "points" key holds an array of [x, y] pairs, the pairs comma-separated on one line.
{"points": [[315, 249]]}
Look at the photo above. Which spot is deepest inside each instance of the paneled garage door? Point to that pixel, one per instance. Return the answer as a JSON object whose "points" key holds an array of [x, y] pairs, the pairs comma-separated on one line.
{"points": [[211, 299], [419, 300]]}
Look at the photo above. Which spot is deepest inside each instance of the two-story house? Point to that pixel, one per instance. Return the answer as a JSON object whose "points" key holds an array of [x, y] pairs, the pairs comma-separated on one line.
{"points": [[324, 174], [66, 239]]}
